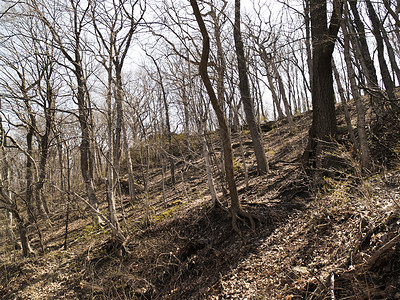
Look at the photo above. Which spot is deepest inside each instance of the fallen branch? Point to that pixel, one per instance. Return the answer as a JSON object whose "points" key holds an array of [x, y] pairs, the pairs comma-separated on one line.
{"points": [[333, 286], [393, 242]]}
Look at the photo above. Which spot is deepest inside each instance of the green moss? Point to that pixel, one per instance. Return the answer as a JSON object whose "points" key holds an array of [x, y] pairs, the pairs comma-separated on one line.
{"points": [[236, 165], [93, 228], [167, 213]]}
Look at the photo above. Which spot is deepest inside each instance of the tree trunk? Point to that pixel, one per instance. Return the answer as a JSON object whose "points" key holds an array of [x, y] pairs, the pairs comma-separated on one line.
{"points": [[307, 22], [286, 103], [220, 66], [49, 111], [347, 116], [85, 146], [362, 134], [68, 200], [113, 158], [371, 71], [206, 155], [366, 61], [247, 102], [11, 206], [323, 128], [26, 247], [236, 208], [9, 229], [391, 54], [167, 122], [387, 80], [119, 120], [131, 180], [275, 99], [29, 175]]}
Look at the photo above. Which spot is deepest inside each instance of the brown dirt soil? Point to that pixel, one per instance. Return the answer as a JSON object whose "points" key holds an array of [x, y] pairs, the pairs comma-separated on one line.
{"points": [[311, 242]]}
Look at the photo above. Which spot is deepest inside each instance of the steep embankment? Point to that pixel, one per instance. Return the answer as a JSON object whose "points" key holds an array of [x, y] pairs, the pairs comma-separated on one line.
{"points": [[310, 242]]}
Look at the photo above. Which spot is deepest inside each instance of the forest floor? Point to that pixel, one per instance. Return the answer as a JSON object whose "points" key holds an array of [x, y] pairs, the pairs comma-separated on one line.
{"points": [[335, 240]]}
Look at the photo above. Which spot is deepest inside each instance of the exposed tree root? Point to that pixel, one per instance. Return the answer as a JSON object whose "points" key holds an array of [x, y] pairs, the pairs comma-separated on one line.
{"points": [[236, 214]]}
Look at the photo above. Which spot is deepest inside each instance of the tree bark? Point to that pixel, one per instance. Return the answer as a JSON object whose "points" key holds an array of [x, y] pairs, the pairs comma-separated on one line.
{"points": [[236, 208], [112, 156], [29, 175], [11, 206], [49, 111], [167, 122], [131, 180], [371, 71], [206, 155], [323, 128], [247, 102], [285, 101], [376, 26], [307, 22], [391, 54], [362, 134], [85, 146], [347, 116]]}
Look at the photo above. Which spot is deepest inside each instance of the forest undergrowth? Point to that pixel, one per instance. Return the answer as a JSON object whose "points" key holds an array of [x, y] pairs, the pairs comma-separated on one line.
{"points": [[338, 239]]}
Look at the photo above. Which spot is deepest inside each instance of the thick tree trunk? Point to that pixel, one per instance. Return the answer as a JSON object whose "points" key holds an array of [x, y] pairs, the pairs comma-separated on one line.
{"points": [[323, 128], [247, 102]]}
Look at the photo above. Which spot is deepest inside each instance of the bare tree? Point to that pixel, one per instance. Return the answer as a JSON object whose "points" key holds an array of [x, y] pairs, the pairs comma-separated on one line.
{"points": [[8, 202], [345, 106], [236, 208], [71, 47], [244, 88], [167, 119], [361, 124], [376, 30]]}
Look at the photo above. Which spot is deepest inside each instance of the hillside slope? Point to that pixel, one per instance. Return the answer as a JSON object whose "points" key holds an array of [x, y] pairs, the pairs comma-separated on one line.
{"points": [[337, 240]]}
